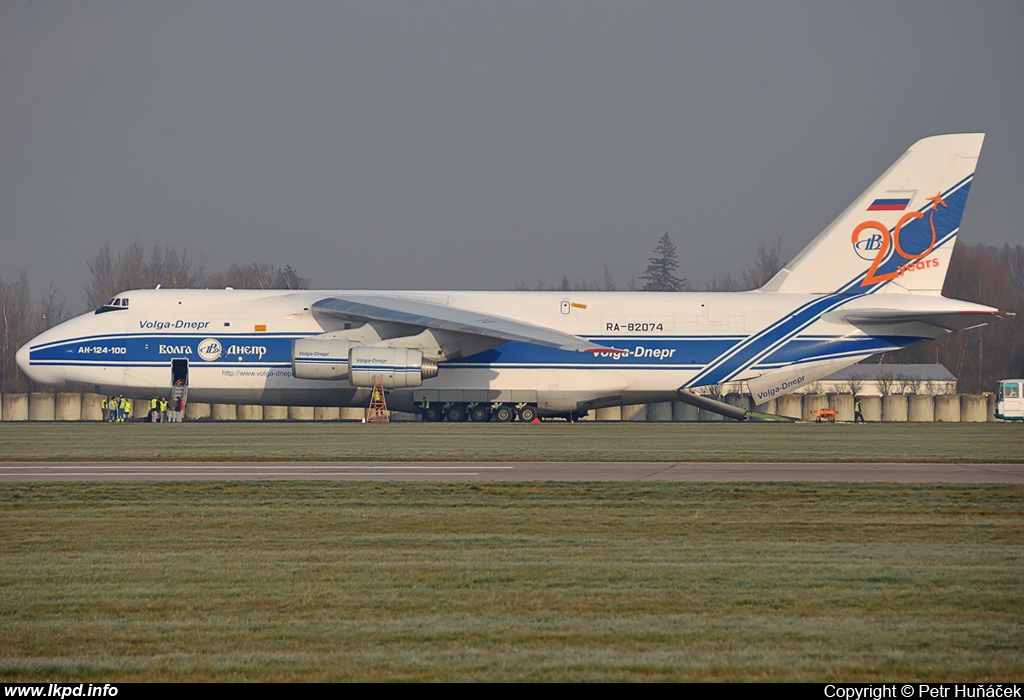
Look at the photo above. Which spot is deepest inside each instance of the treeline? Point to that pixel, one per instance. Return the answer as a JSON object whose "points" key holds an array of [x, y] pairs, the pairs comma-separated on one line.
{"points": [[165, 266], [660, 275], [22, 318], [979, 357]]}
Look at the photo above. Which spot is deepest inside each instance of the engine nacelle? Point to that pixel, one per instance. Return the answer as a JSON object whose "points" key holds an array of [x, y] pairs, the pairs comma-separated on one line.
{"points": [[320, 358], [396, 368]]}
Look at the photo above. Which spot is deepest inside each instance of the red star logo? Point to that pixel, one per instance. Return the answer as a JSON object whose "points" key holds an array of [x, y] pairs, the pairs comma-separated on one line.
{"points": [[937, 200]]}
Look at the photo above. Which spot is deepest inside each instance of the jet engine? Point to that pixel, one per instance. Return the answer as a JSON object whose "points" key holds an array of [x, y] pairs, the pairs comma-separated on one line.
{"points": [[320, 358], [395, 368], [323, 358]]}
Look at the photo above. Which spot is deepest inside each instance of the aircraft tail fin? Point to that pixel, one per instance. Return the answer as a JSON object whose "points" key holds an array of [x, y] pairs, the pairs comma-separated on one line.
{"points": [[898, 235]]}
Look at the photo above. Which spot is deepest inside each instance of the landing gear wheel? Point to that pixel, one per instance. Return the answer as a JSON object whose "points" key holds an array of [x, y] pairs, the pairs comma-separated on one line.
{"points": [[504, 413], [480, 414], [456, 413], [527, 413], [433, 414]]}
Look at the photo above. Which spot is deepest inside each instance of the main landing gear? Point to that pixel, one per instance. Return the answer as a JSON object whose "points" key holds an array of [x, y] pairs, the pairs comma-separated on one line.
{"points": [[478, 413]]}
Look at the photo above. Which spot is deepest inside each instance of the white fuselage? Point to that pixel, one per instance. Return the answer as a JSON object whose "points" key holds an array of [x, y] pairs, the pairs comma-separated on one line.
{"points": [[237, 345]]}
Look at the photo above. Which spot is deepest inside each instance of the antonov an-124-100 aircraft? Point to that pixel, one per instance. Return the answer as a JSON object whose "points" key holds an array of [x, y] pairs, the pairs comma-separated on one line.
{"points": [[868, 283]]}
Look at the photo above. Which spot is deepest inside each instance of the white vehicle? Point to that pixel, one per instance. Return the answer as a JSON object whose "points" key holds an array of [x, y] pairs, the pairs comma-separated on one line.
{"points": [[1010, 405], [869, 283]]}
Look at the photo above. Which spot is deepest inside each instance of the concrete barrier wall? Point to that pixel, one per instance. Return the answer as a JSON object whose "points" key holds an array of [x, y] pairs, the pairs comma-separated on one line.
{"points": [[740, 401], [973, 408], [197, 411], [921, 409], [353, 414], [223, 411], [947, 409], [790, 405], [894, 408], [247, 411], [871, 407], [634, 412], [659, 412], [92, 407], [300, 413], [327, 413], [275, 413], [684, 412], [40, 406], [67, 407], [15, 406], [842, 404]]}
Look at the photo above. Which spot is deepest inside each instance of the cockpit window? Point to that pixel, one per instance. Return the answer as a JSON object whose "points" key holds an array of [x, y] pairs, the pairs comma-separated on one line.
{"points": [[115, 304]]}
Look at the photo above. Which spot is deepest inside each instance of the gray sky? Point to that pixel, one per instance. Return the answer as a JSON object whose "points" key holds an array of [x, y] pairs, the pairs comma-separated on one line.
{"points": [[477, 145]]}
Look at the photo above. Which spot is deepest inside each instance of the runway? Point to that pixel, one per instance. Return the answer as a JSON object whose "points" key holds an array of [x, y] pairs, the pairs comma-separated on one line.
{"points": [[514, 471]]}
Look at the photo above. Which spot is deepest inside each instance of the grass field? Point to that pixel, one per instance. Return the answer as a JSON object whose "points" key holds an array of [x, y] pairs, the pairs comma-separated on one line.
{"points": [[554, 441], [600, 581]]}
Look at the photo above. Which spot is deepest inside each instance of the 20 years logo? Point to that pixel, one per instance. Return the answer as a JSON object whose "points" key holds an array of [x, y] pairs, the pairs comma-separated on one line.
{"points": [[872, 241]]}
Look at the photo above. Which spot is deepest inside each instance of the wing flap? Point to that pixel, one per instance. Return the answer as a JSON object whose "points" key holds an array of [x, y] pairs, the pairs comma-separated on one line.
{"points": [[425, 314]]}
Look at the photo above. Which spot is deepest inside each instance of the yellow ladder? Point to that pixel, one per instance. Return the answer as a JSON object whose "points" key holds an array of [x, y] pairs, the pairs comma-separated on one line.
{"points": [[378, 410]]}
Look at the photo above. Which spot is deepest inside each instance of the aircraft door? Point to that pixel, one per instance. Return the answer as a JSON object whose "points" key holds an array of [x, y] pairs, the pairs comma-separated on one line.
{"points": [[179, 372]]}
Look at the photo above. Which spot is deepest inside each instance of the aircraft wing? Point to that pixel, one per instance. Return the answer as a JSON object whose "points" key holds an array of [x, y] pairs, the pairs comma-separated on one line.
{"points": [[949, 320], [425, 314]]}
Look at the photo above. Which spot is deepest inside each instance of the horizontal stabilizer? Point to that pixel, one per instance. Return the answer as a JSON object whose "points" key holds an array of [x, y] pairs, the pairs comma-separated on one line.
{"points": [[947, 320], [425, 314]]}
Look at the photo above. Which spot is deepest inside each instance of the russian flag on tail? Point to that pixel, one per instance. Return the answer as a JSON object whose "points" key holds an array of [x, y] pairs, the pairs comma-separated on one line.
{"points": [[894, 200]]}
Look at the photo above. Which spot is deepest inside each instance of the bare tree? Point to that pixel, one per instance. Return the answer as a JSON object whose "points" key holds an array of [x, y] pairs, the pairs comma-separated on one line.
{"points": [[886, 382], [259, 276], [609, 283], [722, 284], [712, 391], [16, 328], [815, 387], [168, 268], [855, 383], [768, 263], [131, 267], [52, 310], [104, 277], [913, 385]]}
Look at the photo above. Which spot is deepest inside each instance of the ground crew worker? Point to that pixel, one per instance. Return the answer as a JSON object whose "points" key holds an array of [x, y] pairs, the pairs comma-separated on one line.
{"points": [[154, 414], [122, 402], [103, 407], [112, 409], [163, 409], [857, 415], [127, 410]]}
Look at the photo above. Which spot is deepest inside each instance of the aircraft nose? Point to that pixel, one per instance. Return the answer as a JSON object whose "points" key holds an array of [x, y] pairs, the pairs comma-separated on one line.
{"points": [[40, 375], [21, 357]]}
